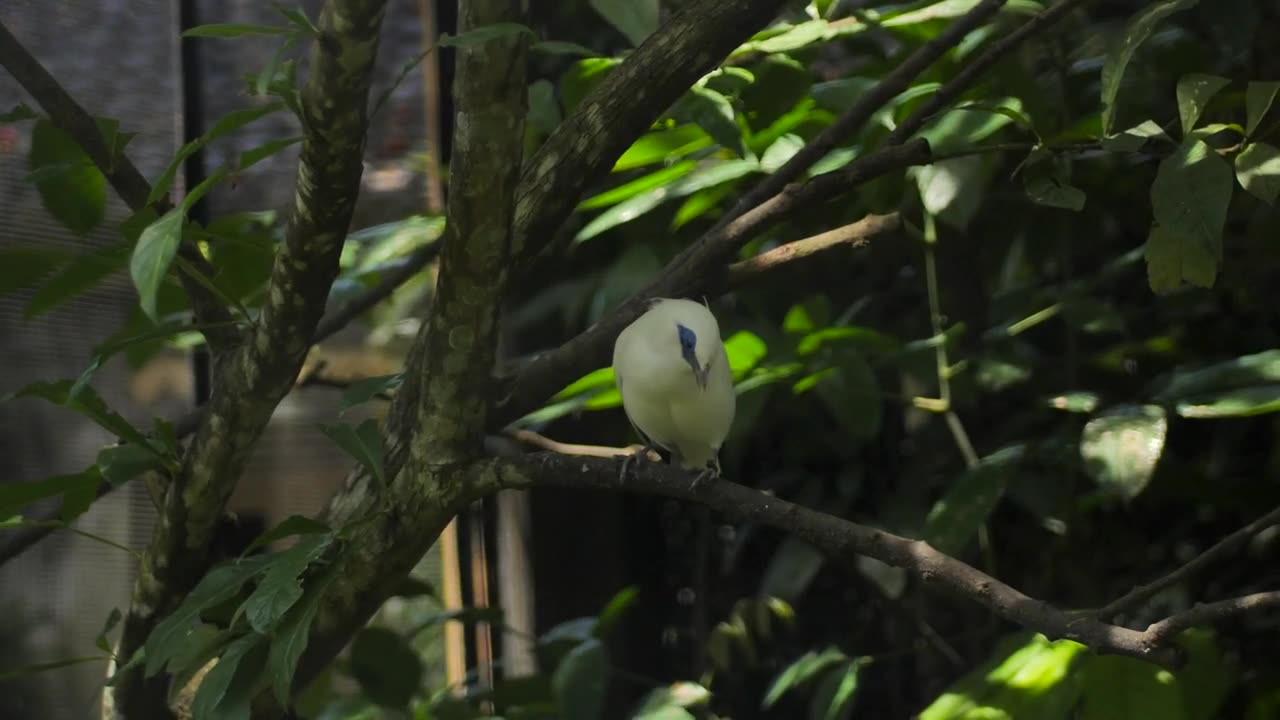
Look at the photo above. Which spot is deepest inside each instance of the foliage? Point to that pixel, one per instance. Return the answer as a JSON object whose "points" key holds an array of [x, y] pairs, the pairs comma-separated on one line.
{"points": [[1039, 375]]}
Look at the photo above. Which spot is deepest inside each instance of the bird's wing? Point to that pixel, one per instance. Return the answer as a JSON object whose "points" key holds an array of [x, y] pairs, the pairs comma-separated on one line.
{"points": [[648, 441]]}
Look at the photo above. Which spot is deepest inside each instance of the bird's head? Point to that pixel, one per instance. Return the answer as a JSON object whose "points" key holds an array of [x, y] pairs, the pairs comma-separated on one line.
{"points": [[689, 350]]}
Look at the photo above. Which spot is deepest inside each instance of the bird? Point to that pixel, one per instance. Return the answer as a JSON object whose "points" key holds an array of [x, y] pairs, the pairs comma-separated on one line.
{"points": [[672, 371]]}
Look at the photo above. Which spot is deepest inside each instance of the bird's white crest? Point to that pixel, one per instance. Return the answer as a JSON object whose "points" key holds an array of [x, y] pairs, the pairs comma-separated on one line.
{"points": [[664, 397]]}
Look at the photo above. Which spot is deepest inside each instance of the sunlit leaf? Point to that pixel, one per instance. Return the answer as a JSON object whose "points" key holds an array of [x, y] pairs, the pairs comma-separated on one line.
{"points": [[833, 699], [1121, 446], [1246, 371], [1194, 92], [1258, 170], [1240, 402], [1134, 138], [663, 145], [712, 112], [1138, 29], [1025, 677]]}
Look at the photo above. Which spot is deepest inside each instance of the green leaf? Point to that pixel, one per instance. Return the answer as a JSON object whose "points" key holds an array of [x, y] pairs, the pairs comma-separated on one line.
{"points": [[34, 668], [22, 267], [87, 403], [1121, 446], [954, 519], [1245, 371], [1207, 678], [221, 583], [388, 670], [1172, 259], [362, 442], [72, 189], [280, 587], [627, 190], [1194, 93], [121, 463], [953, 189], [661, 146], [19, 113], [1118, 688], [234, 30], [1027, 676], [636, 19], [803, 669], [16, 495], [669, 703], [227, 123], [712, 112], [290, 526], [580, 681], [290, 638], [1051, 192], [113, 619], [544, 109], [255, 155], [833, 699], [1134, 138], [152, 256], [791, 569], [851, 393], [707, 175], [116, 344], [82, 273], [745, 350], [1258, 170], [1258, 97], [613, 610], [365, 389], [1240, 402], [780, 151], [556, 47], [966, 126], [483, 34], [203, 644], [1135, 33], [226, 692], [1190, 195], [297, 18]]}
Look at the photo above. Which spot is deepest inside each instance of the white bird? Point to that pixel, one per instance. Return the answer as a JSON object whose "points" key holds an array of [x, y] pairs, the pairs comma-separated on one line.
{"points": [[673, 373]]}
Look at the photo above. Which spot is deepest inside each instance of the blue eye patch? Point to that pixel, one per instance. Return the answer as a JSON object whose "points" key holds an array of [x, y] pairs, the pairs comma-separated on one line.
{"points": [[687, 339]]}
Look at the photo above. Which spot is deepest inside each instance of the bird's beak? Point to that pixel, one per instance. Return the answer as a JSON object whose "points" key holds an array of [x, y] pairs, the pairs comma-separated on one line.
{"points": [[699, 374]]}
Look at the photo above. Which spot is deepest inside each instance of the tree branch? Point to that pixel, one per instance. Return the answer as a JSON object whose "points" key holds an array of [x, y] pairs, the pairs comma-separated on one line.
{"points": [[435, 425], [853, 235], [843, 540], [67, 115], [699, 35], [1213, 556], [249, 383]]}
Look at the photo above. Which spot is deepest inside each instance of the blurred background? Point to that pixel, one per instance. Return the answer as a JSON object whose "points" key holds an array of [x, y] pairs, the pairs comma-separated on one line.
{"points": [[998, 377]]}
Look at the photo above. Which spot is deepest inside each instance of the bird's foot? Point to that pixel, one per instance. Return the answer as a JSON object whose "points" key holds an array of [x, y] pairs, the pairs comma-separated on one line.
{"points": [[629, 462], [710, 472]]}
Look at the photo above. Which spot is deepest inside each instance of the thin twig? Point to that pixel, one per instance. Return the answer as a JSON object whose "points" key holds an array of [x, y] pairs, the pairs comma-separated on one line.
{"points": [[1220, 550], [1209, 613]]}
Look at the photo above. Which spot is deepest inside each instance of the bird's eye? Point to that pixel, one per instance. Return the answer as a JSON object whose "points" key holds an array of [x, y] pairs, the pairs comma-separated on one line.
{"points": [[687, 338]]}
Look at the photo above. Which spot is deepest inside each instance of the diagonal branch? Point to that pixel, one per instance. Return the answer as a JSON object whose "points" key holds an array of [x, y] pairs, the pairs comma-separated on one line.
{"points": [[1213, 556], [249, 383], [843, 540], [67, 115], [698, 36]]}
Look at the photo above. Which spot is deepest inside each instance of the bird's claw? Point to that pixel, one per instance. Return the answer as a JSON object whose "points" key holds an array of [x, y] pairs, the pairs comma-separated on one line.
{"points": [[628, 463], [711, 471]]}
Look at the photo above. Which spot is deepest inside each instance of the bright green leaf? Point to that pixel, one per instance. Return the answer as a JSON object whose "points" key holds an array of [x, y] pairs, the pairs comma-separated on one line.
{"points": [[152, 256], [745, 350], [1134, 138], [1027, 676], [833, 698], [613, 610], [1121, 446], [712, 112], [1194, 93], [1136, 32], [661, 146], [1239, 402], [1258, 170]]}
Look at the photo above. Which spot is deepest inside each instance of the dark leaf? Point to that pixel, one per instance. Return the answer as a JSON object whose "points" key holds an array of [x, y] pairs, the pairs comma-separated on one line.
{"points": [[87, 403], [1239, 402], [234, 30], [14, 496], [121, 463], [955, 518], [1118, 687], [1190, 195], [833, 699], [613, 611], [799, 672], [388, 670], [484, 34], [152, 256], [290, 638], [290, 526], [226, 691], [580, 681], [1245, 371], [1258, 98], [22, 267], [362, 442], [19, 113], [280, 587], [555, 47], [365, 389], [113, 619], [636, 19], [1194, 93], [82, 273], [1139, 28], [227, 123], [1258, 170]]}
